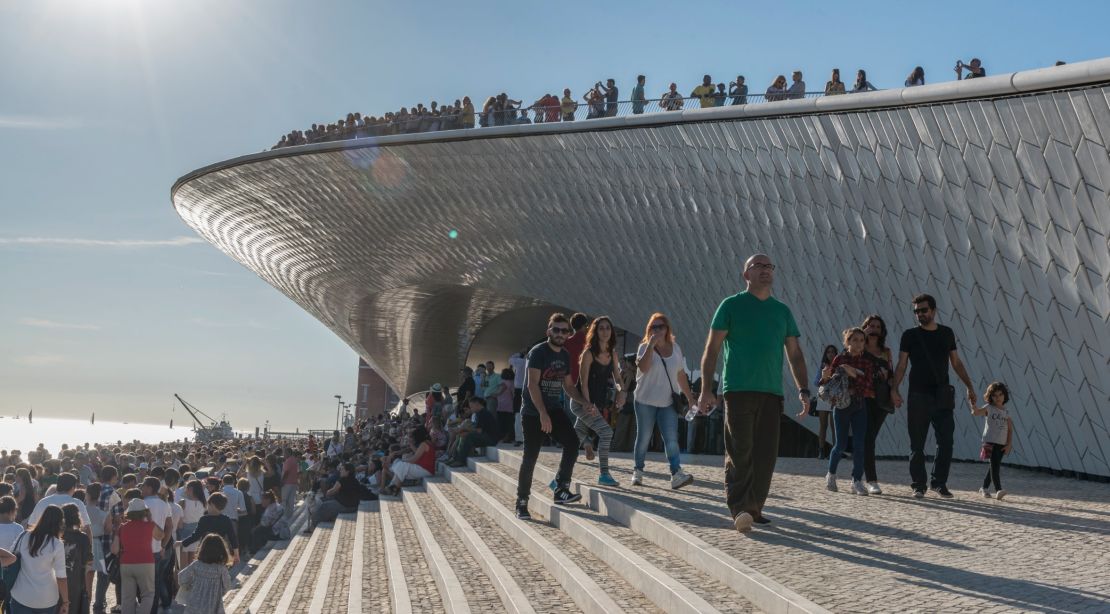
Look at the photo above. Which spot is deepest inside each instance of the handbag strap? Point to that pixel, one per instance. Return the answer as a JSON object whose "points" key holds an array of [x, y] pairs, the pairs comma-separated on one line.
{"points": [[670, 384]]}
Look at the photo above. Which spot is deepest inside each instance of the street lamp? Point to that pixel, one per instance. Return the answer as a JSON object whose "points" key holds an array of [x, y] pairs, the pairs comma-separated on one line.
{"points": [[338, 408]]}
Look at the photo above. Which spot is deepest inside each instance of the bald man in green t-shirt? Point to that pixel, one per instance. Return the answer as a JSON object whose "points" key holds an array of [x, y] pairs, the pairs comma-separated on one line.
{"points": [[754, 328]]}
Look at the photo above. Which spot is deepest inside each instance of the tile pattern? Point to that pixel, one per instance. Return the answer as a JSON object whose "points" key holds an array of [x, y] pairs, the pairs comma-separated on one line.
{"points": [[998, 207]]}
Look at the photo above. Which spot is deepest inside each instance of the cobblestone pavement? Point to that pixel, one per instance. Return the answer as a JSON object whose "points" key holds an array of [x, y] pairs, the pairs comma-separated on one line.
{"points": [[542, 589], [480, 593], [715, 593], [624, 594], [339, 581], [375, 576], [423, 592], [1046, 547]]}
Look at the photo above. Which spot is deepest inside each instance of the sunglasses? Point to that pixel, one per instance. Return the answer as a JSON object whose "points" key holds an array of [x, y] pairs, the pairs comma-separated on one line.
{"points": [[559, 330], [921, 310]]}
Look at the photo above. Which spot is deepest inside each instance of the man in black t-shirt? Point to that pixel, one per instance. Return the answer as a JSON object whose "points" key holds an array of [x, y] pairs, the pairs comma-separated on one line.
{"points": [[481, 430], [930, 348], [547, 379]]}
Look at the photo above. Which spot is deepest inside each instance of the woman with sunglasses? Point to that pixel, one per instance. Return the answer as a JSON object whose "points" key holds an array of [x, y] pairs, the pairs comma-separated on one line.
{"points": [[876, 348], [660, 376]]}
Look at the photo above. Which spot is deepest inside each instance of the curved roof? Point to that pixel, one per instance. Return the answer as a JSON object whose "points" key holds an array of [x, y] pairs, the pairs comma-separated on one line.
{"points": [[991, 194]]}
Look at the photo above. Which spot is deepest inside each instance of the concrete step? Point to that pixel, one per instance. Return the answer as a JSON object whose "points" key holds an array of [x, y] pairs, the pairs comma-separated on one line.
{"points": [[477, 555], [463, 583], [251, 575], [519, 578], [589, 580], [369, 578], [412, 585], [296, 592], [670, 582], [761, 591], [332, 586]]}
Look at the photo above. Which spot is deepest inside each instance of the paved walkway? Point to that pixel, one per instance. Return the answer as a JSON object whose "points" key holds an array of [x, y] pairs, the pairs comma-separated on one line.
{"points": [[1046, 547]]}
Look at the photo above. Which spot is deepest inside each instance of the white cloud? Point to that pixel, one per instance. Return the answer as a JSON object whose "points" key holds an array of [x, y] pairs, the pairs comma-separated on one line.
{"points": [[109, 243], [31, 122], [40, 323], [40, 360]]}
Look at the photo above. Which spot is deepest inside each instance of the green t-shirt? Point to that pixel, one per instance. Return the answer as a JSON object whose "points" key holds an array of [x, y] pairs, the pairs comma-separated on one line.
{"points": [[754, 343]]}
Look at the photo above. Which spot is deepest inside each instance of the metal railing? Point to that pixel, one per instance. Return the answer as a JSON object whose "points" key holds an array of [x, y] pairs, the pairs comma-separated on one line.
{"points": [[581, 111]]}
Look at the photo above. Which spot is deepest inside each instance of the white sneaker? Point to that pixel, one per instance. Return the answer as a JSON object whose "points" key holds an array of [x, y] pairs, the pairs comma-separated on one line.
{"points": [[680, 479], [986, 493], [858, 488], [830, 481], [873, 488], [637, 477], [998, 495]]}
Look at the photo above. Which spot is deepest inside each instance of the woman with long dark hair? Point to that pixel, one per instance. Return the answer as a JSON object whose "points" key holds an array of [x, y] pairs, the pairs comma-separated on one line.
{"points": [[597, 365], [862, 84], [25, 494], [876, 347], [419, 464], [41, 585], [917, 77], [824, 410], [660, 377], [192, 507]]}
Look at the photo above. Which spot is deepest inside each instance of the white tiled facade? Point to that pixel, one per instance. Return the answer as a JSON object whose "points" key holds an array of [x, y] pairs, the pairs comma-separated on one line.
{"points": [[996, 204]]}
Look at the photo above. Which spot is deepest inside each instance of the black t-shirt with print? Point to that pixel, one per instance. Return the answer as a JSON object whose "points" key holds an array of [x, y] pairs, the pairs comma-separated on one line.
{"points": [[554, 367], [925, 345]]}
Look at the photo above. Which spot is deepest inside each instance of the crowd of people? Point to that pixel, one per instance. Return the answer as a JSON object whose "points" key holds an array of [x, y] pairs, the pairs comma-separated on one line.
{"points": [[165, 522], [600, 100]]}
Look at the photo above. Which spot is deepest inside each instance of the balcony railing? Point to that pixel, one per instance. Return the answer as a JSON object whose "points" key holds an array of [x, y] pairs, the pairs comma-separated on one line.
{"points": [[536, 114]]}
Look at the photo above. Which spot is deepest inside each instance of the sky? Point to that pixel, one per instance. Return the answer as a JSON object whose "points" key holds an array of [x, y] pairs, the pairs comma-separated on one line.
{"points": [[110, 303]]}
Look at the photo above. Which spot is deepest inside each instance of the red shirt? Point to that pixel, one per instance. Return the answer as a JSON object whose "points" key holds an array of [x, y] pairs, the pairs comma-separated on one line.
{"points": [[134, 542], [289, 470], [574, 347], [551, 107], [428, 459], [864, 384]]}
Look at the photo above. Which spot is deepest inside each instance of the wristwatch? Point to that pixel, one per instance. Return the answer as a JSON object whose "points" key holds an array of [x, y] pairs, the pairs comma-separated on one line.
{"points": [[804, 391]]}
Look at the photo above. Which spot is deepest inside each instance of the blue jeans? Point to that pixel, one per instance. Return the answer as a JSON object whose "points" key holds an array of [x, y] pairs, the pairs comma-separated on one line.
{"points": [[18, 608], [854, 417], [647, 416], [162, 561]]}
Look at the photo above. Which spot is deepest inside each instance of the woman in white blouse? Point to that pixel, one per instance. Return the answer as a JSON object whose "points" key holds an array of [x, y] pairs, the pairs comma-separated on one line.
{"points": [[41, 585], [660, 377]]}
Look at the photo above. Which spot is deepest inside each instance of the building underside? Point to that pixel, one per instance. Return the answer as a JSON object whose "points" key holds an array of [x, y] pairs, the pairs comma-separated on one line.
{"points": [[991, 194]]}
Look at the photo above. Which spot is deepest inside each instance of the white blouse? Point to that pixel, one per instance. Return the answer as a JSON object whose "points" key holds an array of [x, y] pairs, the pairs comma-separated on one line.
{"points": [[37, 585]]}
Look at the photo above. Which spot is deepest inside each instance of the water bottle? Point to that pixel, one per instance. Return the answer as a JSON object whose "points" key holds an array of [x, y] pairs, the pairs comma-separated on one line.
{"points": [[692, 413]]}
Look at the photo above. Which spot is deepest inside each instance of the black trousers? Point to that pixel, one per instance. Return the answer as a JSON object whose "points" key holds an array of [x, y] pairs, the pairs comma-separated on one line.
{"points": [[922, 412], [995, 470], [562, 431], [752, 421], [875, 419], [505, 420]]}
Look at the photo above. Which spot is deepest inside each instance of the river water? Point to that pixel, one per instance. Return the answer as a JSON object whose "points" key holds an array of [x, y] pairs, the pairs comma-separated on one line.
{"points": [[53, 432]]}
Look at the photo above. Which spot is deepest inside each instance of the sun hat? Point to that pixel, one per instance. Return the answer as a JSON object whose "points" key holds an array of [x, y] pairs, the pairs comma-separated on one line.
{"points": [[437, 388], [136, 505]]}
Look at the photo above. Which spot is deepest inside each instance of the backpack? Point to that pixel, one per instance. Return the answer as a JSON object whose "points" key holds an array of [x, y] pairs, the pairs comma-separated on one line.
{"points": [[836, 392]]}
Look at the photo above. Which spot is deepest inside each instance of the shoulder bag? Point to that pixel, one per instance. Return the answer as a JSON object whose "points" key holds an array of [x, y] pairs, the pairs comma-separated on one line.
{"points": [[883, 397], [945, 393], [10, 573], [677, 400]]}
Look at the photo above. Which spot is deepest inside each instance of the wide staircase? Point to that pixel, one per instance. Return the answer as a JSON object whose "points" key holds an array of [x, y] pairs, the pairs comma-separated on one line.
{"points": [[455, 545]]}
